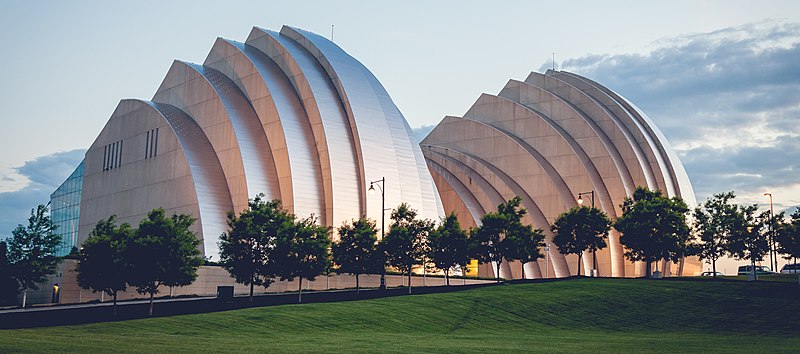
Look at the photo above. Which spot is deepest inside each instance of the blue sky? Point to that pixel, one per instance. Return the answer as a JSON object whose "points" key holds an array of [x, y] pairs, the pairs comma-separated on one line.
{"points": [[720, 78]]}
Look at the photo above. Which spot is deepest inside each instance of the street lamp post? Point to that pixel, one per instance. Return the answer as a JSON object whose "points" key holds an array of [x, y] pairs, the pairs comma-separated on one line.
{"points": [[772, 254], [546, 258], [594, 253], [382, 187]]}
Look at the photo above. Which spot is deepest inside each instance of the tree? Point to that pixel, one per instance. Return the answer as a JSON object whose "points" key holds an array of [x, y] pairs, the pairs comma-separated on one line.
{"points": [[9, 288], [522, 243], [788, 237], [31, 251], [447, 246], [102, 264], [581, 229], [356, 251], [714, 223], [302, 251], [247, 249], [653, 227], [163, 251], [486, 240], [406, 242], [748, 240]]}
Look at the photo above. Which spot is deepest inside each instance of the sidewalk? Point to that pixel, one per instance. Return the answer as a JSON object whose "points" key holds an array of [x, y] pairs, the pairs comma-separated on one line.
{"points": [[135, 309]]}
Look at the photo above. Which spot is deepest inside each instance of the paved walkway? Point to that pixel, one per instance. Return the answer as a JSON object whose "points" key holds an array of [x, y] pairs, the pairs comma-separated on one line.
{"points": [[57, 315]]}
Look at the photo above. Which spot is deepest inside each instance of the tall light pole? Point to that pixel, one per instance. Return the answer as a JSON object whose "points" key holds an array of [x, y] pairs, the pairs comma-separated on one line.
{"points": [[382, 187], [594, 253], [772, 254], [546, 257]]}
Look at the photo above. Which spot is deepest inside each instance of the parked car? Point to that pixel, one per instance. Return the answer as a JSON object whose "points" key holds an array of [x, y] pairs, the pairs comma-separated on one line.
{"points": [[711, 274], [760, 270], [790, 269]]}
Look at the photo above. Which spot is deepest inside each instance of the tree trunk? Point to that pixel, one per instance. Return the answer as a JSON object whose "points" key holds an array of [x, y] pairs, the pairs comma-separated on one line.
{"points": [[358, 289], [115, 304], [714, 267], [647, 268], [580, 256], [150, 312], [24, 297], [523, 270], [498, 270], [409, 279], [446, 278], [251, 291], [755, 275], [300, 291]]}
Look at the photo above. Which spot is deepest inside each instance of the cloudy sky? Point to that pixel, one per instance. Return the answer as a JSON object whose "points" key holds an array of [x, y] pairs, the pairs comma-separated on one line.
{"points": [[720, 78]]}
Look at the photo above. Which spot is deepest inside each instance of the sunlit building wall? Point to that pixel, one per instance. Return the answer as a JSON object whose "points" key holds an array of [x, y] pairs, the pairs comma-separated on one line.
{"points": [[288, 114], [548, 139]]}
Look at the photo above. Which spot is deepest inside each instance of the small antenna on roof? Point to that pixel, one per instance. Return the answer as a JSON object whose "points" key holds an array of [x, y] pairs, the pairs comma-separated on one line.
{"points": [[554, 61], [331, 33]]}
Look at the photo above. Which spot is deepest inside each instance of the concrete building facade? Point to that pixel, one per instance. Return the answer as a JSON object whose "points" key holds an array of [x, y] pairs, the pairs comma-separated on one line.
{"points": [[288, 114], [547, 139], [292, 115]]}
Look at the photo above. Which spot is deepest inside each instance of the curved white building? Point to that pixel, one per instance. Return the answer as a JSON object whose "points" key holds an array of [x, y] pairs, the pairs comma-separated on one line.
{"points": [[288, 114], [547, 139]]}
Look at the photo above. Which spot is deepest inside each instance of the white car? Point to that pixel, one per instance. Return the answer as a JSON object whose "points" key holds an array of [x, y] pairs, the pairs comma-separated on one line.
{"points": [[790, 269], [711, 274]]}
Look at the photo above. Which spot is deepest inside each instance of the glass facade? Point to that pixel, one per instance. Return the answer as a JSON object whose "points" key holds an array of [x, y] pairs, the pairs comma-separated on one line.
{"points": [[65, 208]]}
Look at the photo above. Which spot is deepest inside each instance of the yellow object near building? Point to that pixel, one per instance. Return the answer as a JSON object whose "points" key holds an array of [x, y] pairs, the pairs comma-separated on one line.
{"points": [[472, 268]]}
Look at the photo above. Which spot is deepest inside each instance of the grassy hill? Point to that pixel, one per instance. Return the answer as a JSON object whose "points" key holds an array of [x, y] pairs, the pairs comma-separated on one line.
{"points": [[564, 316]]}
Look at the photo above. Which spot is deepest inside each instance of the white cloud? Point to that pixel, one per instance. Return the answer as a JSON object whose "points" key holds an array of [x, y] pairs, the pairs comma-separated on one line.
{"points": [[727, 100]]}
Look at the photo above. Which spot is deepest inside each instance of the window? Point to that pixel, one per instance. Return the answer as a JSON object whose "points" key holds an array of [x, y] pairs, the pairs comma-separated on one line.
{"points": [[112, 155], [151, 143]]}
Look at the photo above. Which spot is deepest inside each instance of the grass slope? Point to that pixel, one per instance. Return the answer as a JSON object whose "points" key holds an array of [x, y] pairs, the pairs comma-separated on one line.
{"points": [[566, 316]]}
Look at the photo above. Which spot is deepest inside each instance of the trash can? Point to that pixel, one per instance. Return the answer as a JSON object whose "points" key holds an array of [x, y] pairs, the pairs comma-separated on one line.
{"points": [[224, 292]]}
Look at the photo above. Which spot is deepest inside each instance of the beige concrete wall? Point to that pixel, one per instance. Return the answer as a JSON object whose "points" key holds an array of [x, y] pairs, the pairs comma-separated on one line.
{"points": [[209, 277]]}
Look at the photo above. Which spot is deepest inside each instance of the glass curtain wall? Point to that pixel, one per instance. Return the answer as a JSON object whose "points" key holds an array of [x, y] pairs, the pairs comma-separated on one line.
{"points": [[65, 208]]}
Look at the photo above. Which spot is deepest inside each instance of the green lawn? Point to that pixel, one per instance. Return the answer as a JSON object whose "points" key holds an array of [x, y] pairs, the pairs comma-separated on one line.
{"points": [[583, 315]]}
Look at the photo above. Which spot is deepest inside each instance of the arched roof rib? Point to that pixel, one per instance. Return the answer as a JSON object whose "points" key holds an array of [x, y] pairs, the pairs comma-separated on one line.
{"points": [[675, 176], [494, 119], [547, 103], [475, 208], [374, 121], [641, 136], [211, 189], [620, 135], [259, 167], [536, 214], [339, 160], [283, 119]]}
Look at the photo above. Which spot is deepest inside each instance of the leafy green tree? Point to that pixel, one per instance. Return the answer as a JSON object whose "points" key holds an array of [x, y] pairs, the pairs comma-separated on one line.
{"points": [[163, 251], [32, 251], [247, 249], [406, 242], [522, 243], [486, 240], [102, 262], [653, 227], [788, 237], [9, 288], [356, 251], [581, 229], [714, 223], [749, 240], [447, 246], [302, 252]]}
